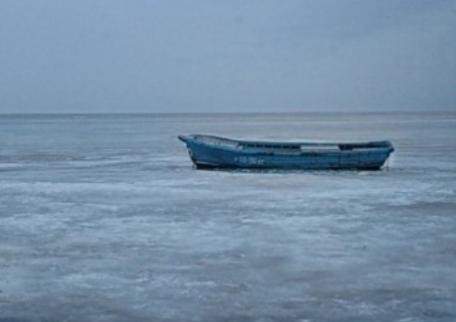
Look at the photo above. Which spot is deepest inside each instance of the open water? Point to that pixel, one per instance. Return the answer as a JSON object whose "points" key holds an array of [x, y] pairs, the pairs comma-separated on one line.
{"points": [[103, 218]]}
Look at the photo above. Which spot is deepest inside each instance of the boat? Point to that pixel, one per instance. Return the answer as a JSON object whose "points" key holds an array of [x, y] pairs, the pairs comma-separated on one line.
{"points": [[208, 152]]}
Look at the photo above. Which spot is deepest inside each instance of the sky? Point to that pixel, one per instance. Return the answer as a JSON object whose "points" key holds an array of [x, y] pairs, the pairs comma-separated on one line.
{"points": [[154, 56]]}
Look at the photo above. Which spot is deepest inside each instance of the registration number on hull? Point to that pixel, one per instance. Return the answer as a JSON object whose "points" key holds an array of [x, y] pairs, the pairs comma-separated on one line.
{"points": [[249, 160]]}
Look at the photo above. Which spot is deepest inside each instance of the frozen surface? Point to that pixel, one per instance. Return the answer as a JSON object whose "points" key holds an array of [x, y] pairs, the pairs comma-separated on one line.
{"points": [[103, 218]]}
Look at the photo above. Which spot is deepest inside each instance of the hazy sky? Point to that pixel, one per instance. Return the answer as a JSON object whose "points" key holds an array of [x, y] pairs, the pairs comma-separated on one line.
{"points": [[224, 56]]}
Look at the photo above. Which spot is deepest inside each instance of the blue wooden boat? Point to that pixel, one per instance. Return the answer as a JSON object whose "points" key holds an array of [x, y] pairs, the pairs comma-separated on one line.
{"points": [[207, 151]]}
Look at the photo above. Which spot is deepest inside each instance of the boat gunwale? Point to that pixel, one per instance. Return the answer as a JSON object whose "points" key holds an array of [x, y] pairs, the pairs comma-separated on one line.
{"points": [[248, 146]]}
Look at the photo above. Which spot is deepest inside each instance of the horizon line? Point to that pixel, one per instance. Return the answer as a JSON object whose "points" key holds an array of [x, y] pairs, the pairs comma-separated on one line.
{"points": [[228, 113]]}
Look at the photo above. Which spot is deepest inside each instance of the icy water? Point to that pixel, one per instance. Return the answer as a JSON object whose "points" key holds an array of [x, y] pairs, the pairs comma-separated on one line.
{"points": [[103, 218]]}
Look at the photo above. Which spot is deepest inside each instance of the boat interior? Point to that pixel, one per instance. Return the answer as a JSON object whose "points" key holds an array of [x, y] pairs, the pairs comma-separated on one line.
{"points": [[284, 147]]}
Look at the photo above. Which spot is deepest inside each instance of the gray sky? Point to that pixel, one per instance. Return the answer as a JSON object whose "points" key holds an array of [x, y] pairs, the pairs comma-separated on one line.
{"points": [[227, 56]]}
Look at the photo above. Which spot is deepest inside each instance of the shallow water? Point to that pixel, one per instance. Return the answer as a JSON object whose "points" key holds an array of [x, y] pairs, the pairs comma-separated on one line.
{"points": [[103, 218]]}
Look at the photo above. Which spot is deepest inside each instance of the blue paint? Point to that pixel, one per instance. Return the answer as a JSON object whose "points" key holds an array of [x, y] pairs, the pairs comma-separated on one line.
{"points": [[216, 152]]}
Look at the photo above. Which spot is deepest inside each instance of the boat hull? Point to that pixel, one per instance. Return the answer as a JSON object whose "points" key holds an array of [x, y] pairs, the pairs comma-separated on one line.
{"points": [[206, 156]]}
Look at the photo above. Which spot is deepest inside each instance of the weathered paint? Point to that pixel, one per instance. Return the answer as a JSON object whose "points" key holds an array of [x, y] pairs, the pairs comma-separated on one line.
{"points": [[263, 155]]}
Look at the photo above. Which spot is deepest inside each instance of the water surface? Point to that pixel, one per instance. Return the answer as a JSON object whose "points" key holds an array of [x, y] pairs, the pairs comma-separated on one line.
{"points": [[103, 218]]}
